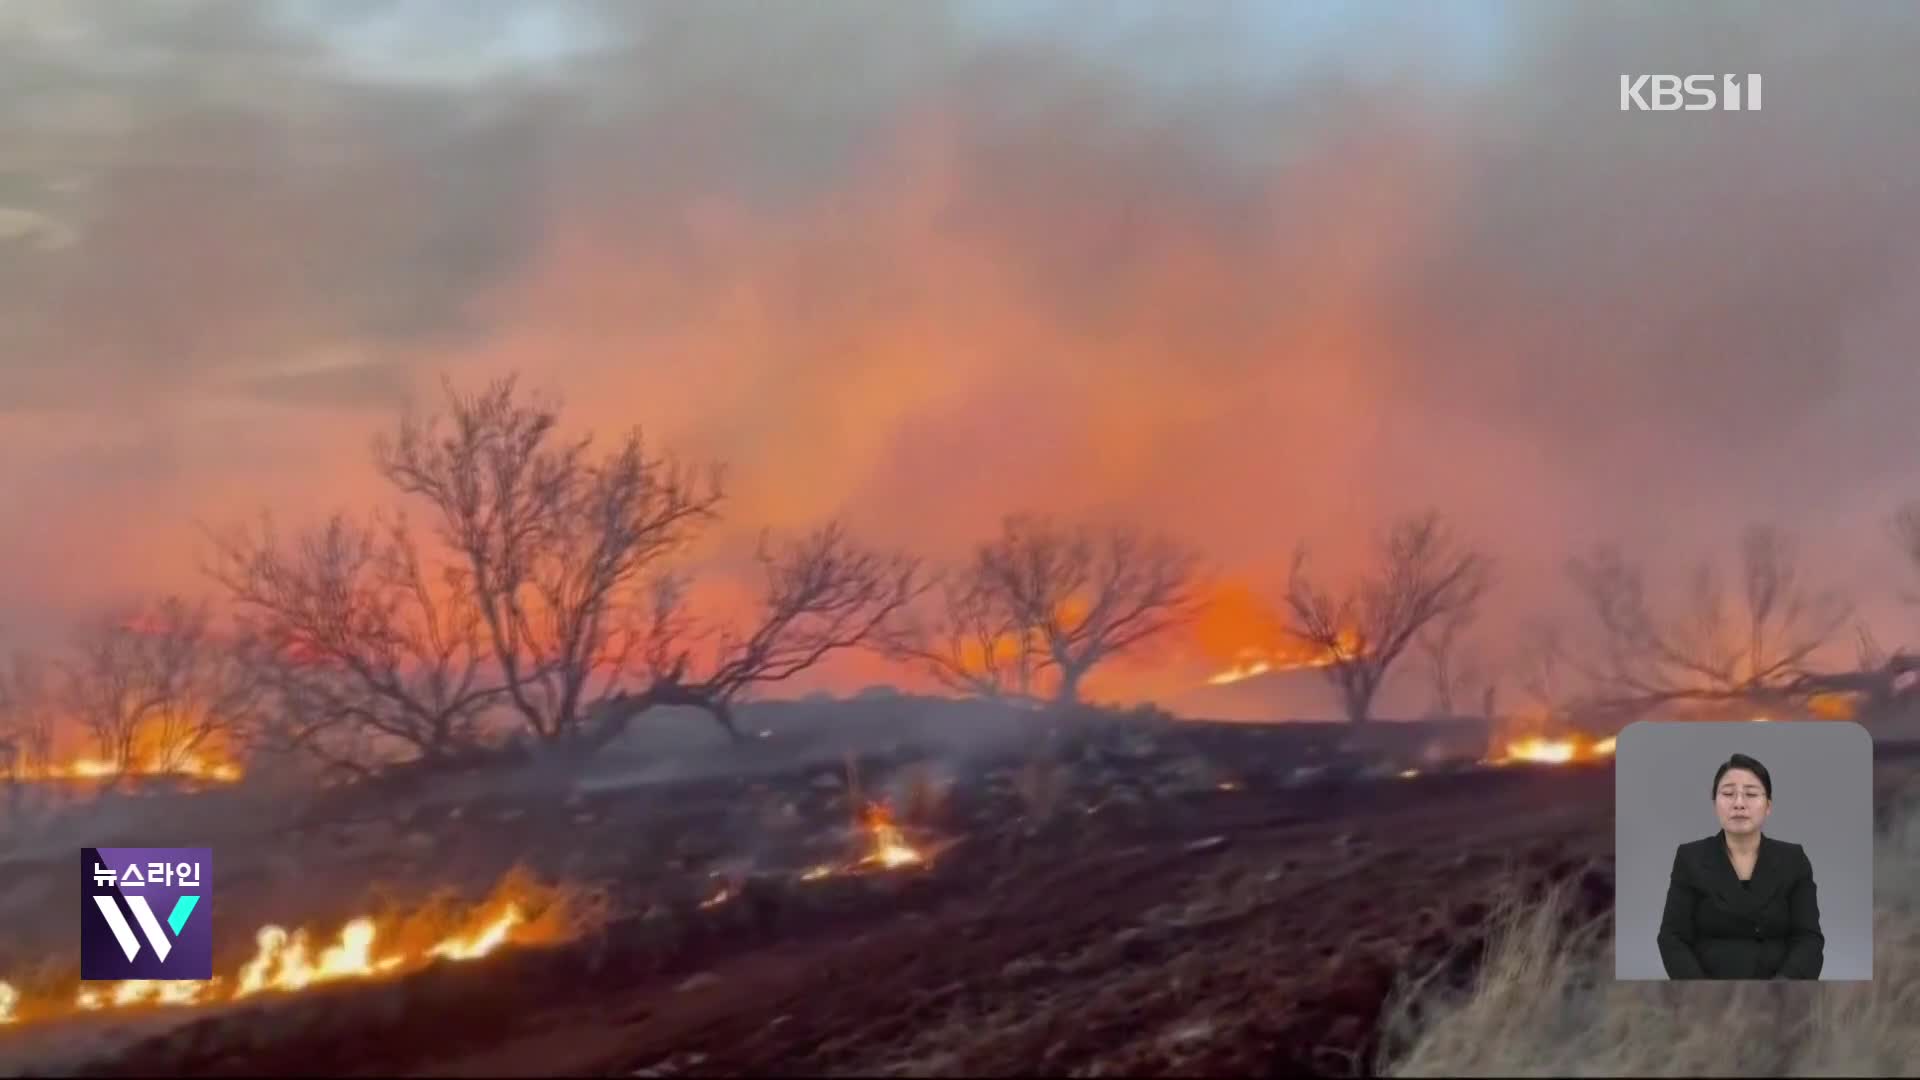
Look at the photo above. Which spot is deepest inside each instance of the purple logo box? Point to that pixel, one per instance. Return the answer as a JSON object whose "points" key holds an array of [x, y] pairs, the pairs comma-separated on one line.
{"points": [[146, 913]]}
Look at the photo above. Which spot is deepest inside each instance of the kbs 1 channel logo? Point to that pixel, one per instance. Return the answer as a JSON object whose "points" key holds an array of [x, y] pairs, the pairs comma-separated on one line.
{"points": [[146, 913]]}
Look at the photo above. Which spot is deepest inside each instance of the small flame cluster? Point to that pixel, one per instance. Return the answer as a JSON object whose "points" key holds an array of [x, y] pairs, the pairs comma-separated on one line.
{"points": [[286, 962], [1538, 750], [1251, 662], [887, 848], [890, 848]]}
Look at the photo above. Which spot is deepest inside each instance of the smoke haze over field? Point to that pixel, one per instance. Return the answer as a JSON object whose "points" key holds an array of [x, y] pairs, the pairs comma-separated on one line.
{"points": [[1256, 273]]}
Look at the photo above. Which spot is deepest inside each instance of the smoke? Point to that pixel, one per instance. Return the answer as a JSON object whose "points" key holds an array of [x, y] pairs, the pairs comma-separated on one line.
{"points": [[1257, 275]]}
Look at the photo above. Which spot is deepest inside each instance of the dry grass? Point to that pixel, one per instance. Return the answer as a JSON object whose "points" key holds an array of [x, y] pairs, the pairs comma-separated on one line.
{"points": [[1545, 1004]]}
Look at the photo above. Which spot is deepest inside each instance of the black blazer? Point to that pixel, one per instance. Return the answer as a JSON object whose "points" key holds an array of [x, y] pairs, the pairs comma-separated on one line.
{"points": [[1718, 927]]}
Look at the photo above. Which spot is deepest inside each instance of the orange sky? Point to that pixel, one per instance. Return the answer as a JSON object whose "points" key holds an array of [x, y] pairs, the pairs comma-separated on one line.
{"points": [[1010, 277]]}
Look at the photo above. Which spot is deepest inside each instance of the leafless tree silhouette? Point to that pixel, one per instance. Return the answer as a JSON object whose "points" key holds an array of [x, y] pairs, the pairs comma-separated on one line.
{"points": [[1453, 669], [153, 686], [27, 716], [1046, 599], [1424, 575], [1759, 648], [543, 588], [972, 641], [556, 545], [1538, 671], [367, 648], [820, 594], [1905, 528]]}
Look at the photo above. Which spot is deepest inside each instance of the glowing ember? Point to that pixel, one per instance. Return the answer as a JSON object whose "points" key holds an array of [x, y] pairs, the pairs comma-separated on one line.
{"points": [[1408, 774], [1228, 785], [816, 873], [1761, 719], [717, 899], [8, 998]]}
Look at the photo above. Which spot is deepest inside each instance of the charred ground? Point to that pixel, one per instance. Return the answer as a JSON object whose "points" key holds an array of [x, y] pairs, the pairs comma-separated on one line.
{"points": [[1104, 894]]}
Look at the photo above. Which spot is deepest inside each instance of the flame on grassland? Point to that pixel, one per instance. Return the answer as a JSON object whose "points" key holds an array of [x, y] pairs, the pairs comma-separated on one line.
{"points": [[886, 848], [889, 847], [1240, 633], [519, 911], [1564, 750], [96, 768], [1296, 656]]}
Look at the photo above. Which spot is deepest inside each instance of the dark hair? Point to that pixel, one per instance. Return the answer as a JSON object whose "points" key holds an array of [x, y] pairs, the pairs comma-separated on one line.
{"points": [[1742, 761]]}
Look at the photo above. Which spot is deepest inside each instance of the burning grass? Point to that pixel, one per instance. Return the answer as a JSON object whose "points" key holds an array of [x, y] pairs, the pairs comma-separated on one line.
{"points": [[890, 848], [1545, 1004], [884, 845], [520, 910], [1293, 656], [1565, 750], [189, 767]]}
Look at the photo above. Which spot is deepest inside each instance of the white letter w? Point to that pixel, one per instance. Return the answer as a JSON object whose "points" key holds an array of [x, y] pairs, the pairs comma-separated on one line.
{"points": [[124, 933]]}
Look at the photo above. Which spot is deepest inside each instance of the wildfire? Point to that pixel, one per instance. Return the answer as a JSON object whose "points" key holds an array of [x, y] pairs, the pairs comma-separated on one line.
{"points": [[890, 849], [1292, 656], [285, 962], [1543, 751], [93, 768]]}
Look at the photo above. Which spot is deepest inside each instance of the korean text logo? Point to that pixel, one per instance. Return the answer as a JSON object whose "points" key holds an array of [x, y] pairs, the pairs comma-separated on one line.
{"points": [[146, 913], [1691, 93]]}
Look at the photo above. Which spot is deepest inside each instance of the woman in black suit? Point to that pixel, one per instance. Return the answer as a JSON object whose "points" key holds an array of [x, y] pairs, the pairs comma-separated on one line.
{"points": [[1741, 905]]}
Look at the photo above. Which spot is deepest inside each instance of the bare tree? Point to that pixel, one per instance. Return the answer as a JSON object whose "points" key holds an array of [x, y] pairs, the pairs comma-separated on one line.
{"points": [[153, 686], [1453, 670], [820, 594], [1905, 528], [549, 596], [27, 717], [556, 543], [1538, 670], [567, 558], [1758, 648], [368, 648], [1079, 596], [972, 641], [1424, 575]]}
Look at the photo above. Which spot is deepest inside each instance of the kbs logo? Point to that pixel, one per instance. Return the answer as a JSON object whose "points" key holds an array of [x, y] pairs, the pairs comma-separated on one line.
{"points": [[1692, 93], [170, 932]]}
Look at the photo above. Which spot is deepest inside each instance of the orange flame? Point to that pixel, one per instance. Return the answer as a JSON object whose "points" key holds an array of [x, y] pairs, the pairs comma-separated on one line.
{"points": [[284, 962], [93, 768], [1539, 750], [1252, 662], [890, 849]]}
